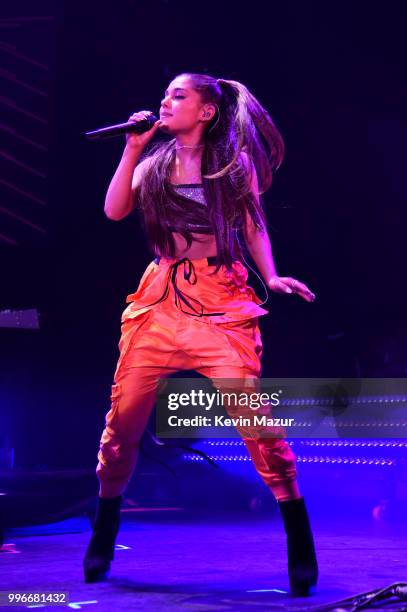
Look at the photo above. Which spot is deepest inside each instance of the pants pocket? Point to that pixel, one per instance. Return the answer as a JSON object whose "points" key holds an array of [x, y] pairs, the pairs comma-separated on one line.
{"points": [[145, 279], [129, 333], [115, 393], [245, 338]]}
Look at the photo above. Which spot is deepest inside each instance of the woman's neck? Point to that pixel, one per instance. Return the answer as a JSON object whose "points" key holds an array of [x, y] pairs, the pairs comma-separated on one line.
{"points": [[187, 165], [188, 156], [188, 147]]}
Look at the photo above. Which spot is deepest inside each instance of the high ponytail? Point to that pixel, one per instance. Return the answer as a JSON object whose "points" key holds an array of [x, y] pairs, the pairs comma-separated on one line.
{"points": [[251, 129]]}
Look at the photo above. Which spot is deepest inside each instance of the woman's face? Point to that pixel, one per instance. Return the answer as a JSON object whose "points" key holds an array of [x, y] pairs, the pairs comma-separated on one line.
{"points": [[181, 107]]}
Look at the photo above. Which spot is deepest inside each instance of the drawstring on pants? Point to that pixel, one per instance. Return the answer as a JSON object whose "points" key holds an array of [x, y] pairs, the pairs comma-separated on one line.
{"points": [[179, 296]]}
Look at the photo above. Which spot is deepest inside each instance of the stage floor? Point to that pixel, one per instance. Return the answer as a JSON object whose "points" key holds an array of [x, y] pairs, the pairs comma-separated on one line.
{"points": [[174, 561]]}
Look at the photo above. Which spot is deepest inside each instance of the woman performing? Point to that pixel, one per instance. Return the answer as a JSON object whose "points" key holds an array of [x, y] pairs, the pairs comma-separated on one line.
{"points": [[198, 195]]}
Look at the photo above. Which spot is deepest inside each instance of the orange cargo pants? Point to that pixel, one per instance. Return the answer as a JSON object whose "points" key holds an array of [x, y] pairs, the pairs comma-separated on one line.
{"points": [[184, 317]]}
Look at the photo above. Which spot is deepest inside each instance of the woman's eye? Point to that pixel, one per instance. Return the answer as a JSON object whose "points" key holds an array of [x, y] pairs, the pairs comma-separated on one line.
{"points": [[179, 96]]}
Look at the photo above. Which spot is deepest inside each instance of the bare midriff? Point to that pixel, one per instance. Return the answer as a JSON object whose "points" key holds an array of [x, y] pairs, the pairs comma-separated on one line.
{"points": [[206, 247]]}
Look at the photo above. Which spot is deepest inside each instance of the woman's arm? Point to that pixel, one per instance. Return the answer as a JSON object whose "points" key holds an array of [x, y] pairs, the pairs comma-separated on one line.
{"points": [[119, 200], [120, 196], [259, 246]]}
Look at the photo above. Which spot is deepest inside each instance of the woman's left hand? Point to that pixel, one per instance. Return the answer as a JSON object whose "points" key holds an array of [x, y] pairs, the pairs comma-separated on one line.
{"points": [[287, 284]]}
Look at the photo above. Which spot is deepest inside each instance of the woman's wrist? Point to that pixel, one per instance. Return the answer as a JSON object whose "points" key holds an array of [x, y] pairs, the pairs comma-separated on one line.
{"points": [[132, 153]]}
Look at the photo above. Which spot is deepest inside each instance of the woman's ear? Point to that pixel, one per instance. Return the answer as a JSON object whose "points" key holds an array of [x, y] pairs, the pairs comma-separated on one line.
{"points": [[208, 112]]}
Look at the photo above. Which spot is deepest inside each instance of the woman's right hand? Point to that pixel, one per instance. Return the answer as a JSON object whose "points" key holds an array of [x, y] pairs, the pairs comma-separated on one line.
{"points": [[139, 141]]}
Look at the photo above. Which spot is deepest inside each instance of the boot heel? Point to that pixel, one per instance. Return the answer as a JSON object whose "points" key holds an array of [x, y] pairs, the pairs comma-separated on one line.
{"points": [[302, 560], [100, 551]]}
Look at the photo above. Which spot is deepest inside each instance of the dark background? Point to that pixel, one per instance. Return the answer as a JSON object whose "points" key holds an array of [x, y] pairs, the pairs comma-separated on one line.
{"points": [[332, 75]]}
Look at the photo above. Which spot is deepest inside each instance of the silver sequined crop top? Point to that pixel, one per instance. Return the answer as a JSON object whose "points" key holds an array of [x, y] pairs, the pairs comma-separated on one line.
{"points": [[195, 192]]}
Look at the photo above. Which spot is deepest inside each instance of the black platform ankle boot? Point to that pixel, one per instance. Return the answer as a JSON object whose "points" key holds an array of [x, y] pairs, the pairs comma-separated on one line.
{"points": [[100, 551], [302, 561]]}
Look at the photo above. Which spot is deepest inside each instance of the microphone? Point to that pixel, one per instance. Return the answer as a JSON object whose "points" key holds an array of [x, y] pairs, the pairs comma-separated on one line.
{"points": [[122, 128]]}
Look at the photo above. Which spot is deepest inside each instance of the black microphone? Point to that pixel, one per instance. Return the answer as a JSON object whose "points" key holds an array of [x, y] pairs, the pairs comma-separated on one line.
{"points": [[123, 128]]}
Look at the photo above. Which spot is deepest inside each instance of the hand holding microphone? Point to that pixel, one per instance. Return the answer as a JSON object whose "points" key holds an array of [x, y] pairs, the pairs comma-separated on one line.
{"points": [[139, 130], [139, 140]]}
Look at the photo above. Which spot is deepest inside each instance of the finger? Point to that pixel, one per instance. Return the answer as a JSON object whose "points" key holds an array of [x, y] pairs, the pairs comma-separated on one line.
{"points": [[293, 283], [300, 288], [280, 286], [284, 284], [303, 289], [286, 288], [308, 297], [140, 115], [311, 295], [306, 294], [146, 114]]}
